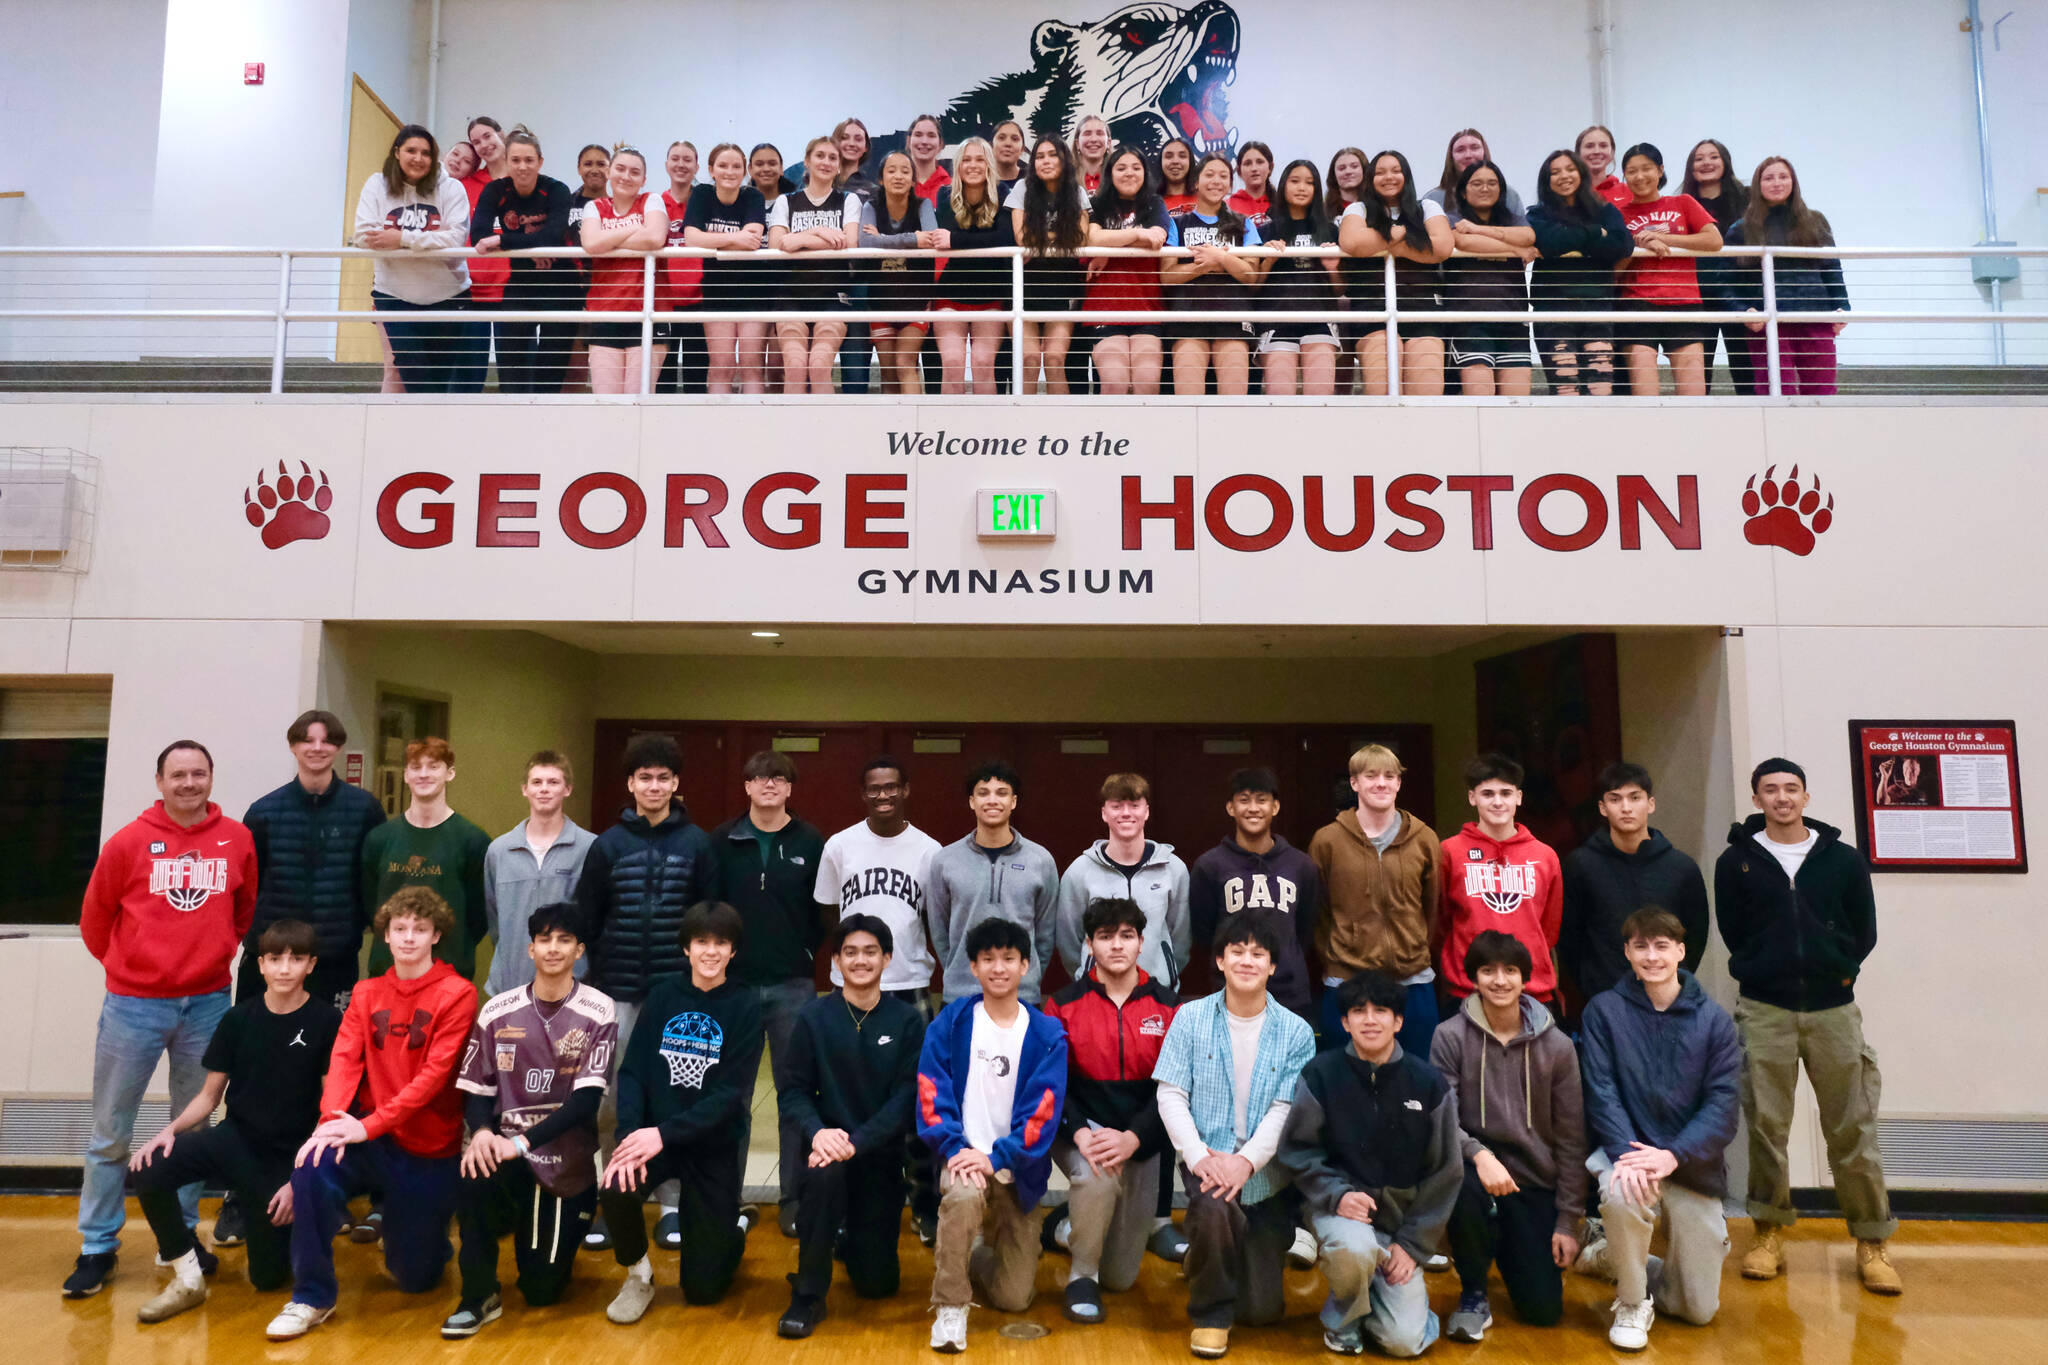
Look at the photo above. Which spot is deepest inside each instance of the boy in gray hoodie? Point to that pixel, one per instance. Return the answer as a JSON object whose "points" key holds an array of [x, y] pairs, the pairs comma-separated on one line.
{"points": [[1129, 866], [1514, 1079], [992, 873]]}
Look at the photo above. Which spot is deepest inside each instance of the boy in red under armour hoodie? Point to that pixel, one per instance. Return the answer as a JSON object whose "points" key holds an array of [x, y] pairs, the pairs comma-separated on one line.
{"points": [[399, 1044], [1497, 875]]}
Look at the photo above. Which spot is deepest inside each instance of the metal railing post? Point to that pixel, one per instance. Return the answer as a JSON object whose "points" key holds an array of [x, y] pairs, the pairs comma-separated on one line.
{"points": [[284, 303], [1017, 324], [647, 329], [1777, 385], [1393, 336]]}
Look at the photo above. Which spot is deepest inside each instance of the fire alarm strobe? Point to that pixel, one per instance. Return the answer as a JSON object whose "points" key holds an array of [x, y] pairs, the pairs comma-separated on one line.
{"points": [[252, 73]]}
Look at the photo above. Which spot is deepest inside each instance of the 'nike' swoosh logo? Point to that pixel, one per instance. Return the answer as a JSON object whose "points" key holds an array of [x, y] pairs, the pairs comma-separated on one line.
{"points": [[225, 842]]}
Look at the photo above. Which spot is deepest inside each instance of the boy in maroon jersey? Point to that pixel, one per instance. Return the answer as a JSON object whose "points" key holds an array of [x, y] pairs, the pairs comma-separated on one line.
{"points": [[532, 1078]]}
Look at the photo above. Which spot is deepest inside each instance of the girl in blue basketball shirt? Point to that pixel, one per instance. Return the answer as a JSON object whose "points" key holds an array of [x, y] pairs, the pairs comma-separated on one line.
{"points": [[1303, 350], [1492, 357], [1213, 278], [1389, 220], [897, 216], [1128, 213]]}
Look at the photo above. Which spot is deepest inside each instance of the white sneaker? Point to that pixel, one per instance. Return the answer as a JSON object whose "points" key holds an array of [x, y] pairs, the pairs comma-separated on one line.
{"points": [[631, 1302], [296, 1320], [1437, 1264], [1302, 1255], [949, 1329], [1631, 1329]]}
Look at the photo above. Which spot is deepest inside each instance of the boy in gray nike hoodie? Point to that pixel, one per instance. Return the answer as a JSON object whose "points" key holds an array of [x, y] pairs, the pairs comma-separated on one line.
{"points": [[1129, 865]]}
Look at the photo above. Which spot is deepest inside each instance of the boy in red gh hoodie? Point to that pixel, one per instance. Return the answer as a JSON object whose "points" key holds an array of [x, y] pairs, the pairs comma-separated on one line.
{"points": [[1497, 875], [404, 1032]]}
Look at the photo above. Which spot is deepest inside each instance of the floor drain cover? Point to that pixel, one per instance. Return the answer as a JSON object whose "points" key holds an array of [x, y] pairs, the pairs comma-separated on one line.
{"points": [[1023, 1331]]}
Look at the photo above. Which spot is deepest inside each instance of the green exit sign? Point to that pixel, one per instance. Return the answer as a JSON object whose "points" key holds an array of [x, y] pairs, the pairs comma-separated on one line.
{"points": [[1014, 514]]}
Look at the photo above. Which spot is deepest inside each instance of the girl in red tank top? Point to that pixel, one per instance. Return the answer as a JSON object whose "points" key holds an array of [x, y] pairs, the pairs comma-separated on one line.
{"points": [[628, 220]]}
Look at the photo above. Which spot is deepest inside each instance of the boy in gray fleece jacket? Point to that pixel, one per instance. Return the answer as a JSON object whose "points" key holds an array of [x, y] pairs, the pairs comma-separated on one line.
{"points": [[1128, 866], [993, 873], [1514, 1078]]}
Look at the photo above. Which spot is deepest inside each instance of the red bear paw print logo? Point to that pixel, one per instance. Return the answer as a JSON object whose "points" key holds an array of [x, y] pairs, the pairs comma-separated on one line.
{"points": [[1782, 514], [287, 508]]}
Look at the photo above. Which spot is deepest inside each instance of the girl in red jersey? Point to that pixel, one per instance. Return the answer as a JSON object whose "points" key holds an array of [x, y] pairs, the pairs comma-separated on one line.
{"points": [[1660, 224], [1214, 277], [1299, 350], [487, 274], [630, 219], [925, 141], [730, 215], [1127, 213], [1254, 201], [817, 217], [898, 217], [1391, 221], [1091, 151], [1176, 174], [1596, 148], [971, 217], [1049, 214]]}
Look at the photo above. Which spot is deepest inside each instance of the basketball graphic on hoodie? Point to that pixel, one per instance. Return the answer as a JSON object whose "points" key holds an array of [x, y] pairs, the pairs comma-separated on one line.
{"points": [[1513, 885]]}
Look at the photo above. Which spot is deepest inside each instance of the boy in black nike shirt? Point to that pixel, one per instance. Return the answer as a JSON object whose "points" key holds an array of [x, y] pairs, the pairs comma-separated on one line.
{"points": [[269, 1054], [848, 1087], [686, 1082]]}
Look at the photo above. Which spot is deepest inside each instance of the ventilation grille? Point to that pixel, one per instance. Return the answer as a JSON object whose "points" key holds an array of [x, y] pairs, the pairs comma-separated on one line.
{"points": [[56, 1132], [1963, 1154]]}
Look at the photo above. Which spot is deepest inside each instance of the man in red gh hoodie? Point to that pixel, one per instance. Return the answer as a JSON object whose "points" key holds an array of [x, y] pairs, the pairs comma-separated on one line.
{"points": [[403, 1033], [1497, 875], [169, 900]]}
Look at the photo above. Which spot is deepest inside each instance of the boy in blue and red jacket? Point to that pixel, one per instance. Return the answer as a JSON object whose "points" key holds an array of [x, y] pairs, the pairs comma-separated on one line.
{"points": [[990, 1085]]}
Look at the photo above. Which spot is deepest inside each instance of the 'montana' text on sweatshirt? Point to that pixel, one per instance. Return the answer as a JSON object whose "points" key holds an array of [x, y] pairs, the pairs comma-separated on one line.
{"points": [[1604, 886], [1668, 1078], [1522, 1100], [1797, 943], [1111, 1051], [406, 1038], [447, 859], [638, 880], [1377, 907], [1026, 1153], [771, 889], [309, 863], [967, 884], [1160, 887], [690, 1065], [1389, 1131], [1281, 881], [1513, 885], [167, 906], [853, 1071], [429, 222]]}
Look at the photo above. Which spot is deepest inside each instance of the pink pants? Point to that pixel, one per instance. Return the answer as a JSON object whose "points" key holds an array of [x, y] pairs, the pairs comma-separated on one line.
{"points": [[1806, 359]]}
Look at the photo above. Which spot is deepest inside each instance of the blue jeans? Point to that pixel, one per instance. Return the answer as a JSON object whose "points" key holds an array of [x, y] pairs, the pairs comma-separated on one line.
{"points": [[419, 1199], [134, 1032], [1418, 1020], [1394, 1317], [780, 1005]]}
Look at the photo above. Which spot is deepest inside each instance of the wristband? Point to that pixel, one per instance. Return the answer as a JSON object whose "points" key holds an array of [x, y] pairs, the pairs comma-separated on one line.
{"points": [[524, 1147]]}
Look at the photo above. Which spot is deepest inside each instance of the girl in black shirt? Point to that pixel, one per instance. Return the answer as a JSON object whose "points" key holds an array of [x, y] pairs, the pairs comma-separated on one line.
{"points": [[971, 218], [1389, 220], [529, 210], [897, 218], [1304, 350], [1213, 278], [1492, 357], [1006, 144], [729, 215], [1580, 237], [1710, 178], [1049, 214]]}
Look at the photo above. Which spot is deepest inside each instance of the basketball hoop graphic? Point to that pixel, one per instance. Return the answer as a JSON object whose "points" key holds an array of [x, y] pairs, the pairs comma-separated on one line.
{"points": [[690, 1044]]}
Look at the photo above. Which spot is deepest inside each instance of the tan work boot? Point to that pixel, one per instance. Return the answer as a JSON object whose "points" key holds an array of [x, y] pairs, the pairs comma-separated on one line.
{"points": [[1874, 1264], [1765, 1259], [1209, 1342]]}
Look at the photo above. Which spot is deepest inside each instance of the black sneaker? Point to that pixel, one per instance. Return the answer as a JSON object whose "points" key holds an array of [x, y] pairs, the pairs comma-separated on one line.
{"points": [[90, 1276], [469, 1318], [1048, 1231], [785, 1217], [927, 1228], [750, 1218], [229, 1227], [599, 1237], [1084, 1300], [802, 1317], [370, 1229]]}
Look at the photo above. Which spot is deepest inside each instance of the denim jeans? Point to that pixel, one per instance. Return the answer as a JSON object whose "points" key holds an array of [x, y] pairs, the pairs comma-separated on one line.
{"points": [[134, 1031], [419, 1199], [780, 1005]]}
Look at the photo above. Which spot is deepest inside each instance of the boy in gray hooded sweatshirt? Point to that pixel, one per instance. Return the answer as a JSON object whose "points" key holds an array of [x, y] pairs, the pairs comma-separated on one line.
{"points": [[1129, 866], [1514, 1079], [992, 873]]}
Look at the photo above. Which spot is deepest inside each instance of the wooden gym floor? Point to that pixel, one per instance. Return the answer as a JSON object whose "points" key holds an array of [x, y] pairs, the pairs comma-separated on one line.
{"points": [[1973, 1294]]}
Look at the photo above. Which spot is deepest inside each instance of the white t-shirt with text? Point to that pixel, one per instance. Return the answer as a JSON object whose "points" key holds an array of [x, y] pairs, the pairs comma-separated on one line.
{"points": [[863, 873]]}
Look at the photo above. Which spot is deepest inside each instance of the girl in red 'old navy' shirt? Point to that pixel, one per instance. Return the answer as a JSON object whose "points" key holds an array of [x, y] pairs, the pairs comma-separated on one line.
{"points": [[1660, 224]]}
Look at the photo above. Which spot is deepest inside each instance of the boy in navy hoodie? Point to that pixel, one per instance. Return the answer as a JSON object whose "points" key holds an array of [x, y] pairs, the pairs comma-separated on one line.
{"points": [[990, 1084], [1255, 869]]}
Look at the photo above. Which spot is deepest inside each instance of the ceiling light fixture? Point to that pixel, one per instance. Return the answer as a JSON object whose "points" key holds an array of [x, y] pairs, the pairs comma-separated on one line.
{"points": [[766, 634]]}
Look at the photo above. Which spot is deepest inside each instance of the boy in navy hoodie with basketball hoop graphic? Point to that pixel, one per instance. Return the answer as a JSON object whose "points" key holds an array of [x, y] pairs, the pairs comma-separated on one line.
{"points": [[1497, 875]]}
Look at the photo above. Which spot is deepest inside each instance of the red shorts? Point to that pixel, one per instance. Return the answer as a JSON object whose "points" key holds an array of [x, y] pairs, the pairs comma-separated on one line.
{"points": [[948, 306]]}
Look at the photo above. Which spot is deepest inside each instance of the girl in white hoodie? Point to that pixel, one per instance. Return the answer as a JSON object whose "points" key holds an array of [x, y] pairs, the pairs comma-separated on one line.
{"points": [[408, 209]]}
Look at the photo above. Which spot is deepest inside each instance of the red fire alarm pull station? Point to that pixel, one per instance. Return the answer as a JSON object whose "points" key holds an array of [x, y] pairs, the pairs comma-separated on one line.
{"points": [[252, 73]]}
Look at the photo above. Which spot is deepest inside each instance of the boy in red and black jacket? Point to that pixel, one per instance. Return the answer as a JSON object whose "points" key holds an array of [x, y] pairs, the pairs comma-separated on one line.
{"points": [[1111, 1134], [399, 1045]]}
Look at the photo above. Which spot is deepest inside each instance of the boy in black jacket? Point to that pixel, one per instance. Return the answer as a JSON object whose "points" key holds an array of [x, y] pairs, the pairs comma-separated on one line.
{"points": [[1618, 871], [767, 861], [847, 1089], [1798, 917], [1373, 1142], [687, 1078]]}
